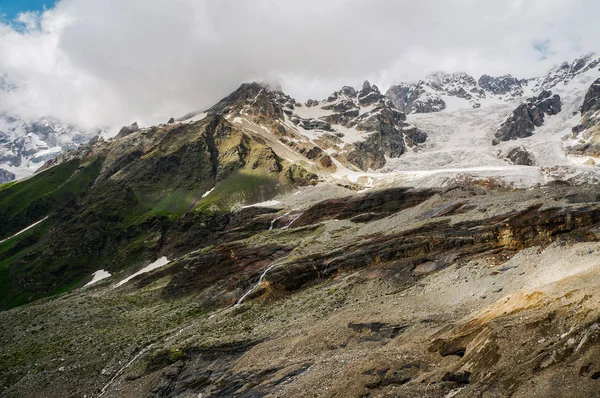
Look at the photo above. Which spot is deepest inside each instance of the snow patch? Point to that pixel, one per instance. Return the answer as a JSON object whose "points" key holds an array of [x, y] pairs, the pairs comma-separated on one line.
{"points": [[150, 267], [98, 276], [268, 203]]}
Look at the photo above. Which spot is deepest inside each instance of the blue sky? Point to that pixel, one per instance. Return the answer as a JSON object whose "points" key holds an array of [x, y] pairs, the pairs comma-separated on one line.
{"points": [[11, 8]]}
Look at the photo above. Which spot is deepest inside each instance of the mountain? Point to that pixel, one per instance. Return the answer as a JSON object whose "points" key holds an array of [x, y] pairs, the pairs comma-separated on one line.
{"points": [[26, 145], [440, 90], [522, 137], [339, 247], [356, 128], [586, 132]]}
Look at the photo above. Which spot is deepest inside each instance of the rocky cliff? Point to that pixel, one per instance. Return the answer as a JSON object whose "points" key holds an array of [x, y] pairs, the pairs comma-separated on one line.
{"points": [[527, 116], [587, 131]]}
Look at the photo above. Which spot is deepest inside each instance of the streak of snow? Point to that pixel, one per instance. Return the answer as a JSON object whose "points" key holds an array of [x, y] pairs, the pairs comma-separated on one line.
{"points": [[150, 267], [205, 194], [268, 203], [195, 118], [23, 230]]}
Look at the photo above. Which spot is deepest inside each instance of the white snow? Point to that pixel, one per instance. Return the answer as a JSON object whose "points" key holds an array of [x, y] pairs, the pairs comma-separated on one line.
{"points": [[23, 230], [205, 194], [98, 276], [311, 112], [351, 135], [195, 118], [49, 151], [150, 267], [268, 203]]}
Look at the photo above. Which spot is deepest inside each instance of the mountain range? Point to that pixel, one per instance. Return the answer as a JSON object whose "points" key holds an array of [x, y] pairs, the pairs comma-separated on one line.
{"points": [[439, 239]]}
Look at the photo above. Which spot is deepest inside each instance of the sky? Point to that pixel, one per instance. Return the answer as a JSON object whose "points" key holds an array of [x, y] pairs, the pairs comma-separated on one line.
{"points": [[108, 63], [10, 9]]}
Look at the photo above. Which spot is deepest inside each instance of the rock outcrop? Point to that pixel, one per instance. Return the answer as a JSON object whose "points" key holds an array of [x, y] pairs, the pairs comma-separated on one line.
{"points": [[527, 116], [502, 85], [588, 129], [520, 156], [6, 176]]}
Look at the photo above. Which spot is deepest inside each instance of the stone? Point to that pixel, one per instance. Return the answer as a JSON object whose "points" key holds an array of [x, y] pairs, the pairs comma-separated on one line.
{"points": [[520, 156]]}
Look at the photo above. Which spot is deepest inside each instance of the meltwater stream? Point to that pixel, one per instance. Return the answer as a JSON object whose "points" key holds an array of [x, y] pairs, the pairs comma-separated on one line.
{"points": [[253, 288]]}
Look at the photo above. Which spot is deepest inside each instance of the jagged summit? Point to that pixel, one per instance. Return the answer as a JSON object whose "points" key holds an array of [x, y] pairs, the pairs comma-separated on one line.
{"points": [[433, 93], [502, 85], [356, 128], [565, 72]]}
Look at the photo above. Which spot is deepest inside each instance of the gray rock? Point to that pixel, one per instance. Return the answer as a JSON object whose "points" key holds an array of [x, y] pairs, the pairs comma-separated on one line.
{"points": [[369, 94], [6, 176], [527, 116], [520, 156], [501, 85], [126, 130]]}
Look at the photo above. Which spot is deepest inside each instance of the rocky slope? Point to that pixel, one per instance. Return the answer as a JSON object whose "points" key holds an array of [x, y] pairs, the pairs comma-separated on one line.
{"points": [[470, 291]]}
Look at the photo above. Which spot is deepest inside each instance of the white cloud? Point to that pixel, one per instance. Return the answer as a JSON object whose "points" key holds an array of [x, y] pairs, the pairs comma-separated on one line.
{"points": [[112, 62]]}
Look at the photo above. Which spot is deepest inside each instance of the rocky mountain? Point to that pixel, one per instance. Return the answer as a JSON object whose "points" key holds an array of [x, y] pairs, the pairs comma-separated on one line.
{"points": [[438, 89], [587, 131], [334, 248], [356, 128], [26, 144], [567, 71]]}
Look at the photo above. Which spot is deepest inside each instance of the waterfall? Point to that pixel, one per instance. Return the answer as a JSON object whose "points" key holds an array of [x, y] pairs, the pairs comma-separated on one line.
{"points": [[292, 221], [253, 288], [277, 218], [139, 354]]}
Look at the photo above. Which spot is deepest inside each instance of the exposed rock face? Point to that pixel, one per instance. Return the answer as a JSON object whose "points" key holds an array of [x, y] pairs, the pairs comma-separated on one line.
{"points": [[520, 156], [565, 72], [126, 130], [502, 85], [6, 176], [588, 128], [391, 138], [428, 95], [528, 116], [410, 98], [591, 101], [358, 128], [25, 145], [368, 94]]}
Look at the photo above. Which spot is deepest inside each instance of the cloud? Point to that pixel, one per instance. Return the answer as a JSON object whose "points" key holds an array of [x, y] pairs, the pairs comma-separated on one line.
{"points": [[112, 62]]}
